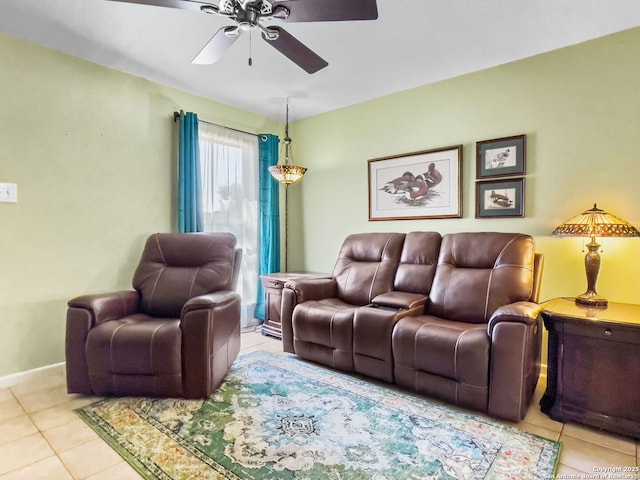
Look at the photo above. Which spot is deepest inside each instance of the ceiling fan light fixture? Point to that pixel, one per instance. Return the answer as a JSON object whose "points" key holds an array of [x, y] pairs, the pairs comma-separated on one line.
{"points": [[227, 6], [265, 9], [281, 12]]}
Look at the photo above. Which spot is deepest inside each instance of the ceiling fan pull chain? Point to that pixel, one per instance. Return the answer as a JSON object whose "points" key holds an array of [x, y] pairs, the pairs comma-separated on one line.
{"points": [[250, 36]]}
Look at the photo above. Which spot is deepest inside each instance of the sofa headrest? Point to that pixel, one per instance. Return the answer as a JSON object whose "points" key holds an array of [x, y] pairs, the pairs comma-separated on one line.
{"points": [[479, 272], [418, 262], [175, 267], [366, 265]]}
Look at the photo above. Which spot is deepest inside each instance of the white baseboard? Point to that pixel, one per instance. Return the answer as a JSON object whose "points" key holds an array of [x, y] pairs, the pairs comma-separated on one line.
{"points": [[58, 368], [36, 373]]}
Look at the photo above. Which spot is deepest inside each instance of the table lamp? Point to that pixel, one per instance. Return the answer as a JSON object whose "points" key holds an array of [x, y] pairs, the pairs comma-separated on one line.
{"points": [[594, 223]]}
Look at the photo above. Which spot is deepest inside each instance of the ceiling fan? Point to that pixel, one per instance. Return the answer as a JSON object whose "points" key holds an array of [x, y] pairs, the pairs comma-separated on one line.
{"points": [[250, 14]]}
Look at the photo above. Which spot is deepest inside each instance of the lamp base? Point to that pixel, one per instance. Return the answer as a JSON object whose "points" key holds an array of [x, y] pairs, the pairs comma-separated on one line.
{"points": [[592, 299]]}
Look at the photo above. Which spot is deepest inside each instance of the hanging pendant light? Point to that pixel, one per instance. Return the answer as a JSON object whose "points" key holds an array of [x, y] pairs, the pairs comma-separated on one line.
{"points": [[287, 173]]}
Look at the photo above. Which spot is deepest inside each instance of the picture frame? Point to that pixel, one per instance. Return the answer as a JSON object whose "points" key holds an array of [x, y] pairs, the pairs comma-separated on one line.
{"points": [[500, 198], [501, 157], [418, 185]]}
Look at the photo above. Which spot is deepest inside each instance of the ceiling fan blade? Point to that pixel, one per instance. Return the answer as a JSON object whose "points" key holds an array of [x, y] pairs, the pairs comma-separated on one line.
{"points": [[182, 4], [296, 51], [217, 46], [326, 10]]}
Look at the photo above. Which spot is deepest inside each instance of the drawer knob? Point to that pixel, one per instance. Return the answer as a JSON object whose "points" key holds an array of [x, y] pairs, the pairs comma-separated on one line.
{"points": [[607, 332]]}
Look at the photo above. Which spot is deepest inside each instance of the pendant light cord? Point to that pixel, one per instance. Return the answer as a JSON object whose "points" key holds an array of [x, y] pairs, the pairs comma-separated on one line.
{"points": [[286, 125], [286, 228], [287, 139], [287, 152]]}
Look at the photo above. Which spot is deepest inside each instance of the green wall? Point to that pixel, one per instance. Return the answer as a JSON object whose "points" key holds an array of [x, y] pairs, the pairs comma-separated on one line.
{"points": [[92, 151], [580, 109]]}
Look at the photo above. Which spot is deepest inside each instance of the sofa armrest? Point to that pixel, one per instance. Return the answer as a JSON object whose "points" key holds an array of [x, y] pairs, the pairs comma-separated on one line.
{"points": [[210, 326], [306, 289], [83, 314], [522, 312], [516, 337], [209, 301], [296, 292], [400, 300], [107, 306]]}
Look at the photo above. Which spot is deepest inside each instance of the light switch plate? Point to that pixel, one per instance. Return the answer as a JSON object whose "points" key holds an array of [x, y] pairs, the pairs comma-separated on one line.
{"points": [[9, 192]]}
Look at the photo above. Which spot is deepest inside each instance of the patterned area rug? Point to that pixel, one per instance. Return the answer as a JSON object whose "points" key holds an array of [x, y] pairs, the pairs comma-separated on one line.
{"points": [[278, 418]]}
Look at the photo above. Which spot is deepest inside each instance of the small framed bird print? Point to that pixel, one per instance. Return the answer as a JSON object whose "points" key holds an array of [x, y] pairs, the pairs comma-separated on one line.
{"points": [[500, 198], [501, 157]]}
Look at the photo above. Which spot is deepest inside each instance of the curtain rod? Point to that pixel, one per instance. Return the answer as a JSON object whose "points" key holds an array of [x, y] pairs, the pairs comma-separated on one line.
{"points": [[176, 116]]}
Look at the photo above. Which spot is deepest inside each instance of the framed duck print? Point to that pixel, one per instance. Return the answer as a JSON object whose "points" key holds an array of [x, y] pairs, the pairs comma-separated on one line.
{"points": [[500, 198], [418, 185], [501, 157]]}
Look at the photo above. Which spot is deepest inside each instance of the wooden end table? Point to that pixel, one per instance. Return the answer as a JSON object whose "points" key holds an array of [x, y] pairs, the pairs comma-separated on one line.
{"points": [[594, 365], [273, 284]]}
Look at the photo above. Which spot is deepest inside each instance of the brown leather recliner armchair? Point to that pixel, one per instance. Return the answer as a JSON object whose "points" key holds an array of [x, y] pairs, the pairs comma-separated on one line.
{"points": [[175, 335]]}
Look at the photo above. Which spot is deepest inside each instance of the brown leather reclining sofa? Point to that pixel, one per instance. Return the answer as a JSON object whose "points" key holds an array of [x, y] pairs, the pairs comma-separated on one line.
{"points": [[454, 317]]}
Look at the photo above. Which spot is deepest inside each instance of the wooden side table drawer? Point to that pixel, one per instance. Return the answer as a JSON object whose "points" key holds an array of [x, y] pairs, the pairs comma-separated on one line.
{"points": [[268, 282], [604, 331]]}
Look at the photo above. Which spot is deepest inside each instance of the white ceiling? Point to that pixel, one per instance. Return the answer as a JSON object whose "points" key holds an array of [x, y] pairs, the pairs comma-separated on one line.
{"points": [[413, 42]]}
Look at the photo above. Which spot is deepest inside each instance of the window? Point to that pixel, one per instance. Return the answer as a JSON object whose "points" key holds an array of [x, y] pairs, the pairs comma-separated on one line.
{"points": [[229, 173]]}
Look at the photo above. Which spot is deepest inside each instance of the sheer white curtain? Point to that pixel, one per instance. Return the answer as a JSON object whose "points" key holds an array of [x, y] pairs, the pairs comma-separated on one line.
{"points": [[229, 168]]}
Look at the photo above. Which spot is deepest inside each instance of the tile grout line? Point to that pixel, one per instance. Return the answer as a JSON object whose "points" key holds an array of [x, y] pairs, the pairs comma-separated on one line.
{"points": [[41, 432], [267, 344]]}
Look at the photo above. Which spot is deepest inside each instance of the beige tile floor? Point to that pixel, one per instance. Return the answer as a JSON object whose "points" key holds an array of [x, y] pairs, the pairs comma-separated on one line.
{"points": [[42, 438]]}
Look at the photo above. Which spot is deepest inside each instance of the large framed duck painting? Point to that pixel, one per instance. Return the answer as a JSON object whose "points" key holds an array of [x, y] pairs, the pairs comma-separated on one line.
{"points": [[417, 185]]}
